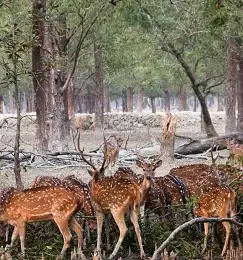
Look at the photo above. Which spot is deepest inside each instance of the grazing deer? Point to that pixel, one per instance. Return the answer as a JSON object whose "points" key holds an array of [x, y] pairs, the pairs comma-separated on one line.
{"points": [[39, 204], [219, 202], [111, 150], [198, 178], [117, 196]]}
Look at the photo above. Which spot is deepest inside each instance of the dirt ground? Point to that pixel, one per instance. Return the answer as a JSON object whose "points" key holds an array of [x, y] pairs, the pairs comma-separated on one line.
{"points": [[142, 137]]}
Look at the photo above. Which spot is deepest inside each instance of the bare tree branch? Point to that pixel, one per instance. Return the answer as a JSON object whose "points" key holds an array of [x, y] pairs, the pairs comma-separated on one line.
{"points": [[79, 45], [174, 234]]}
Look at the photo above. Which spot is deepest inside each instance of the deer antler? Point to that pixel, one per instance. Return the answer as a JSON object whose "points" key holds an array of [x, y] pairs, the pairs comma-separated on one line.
{"points": [[82, 154], [105, 152]]}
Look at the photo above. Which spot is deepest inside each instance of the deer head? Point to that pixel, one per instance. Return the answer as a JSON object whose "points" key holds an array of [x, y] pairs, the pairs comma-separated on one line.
{"points": [[95, 173], [111, 150], [148, 166]]}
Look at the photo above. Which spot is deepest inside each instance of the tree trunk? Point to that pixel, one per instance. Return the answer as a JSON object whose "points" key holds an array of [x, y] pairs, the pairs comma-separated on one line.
{"points": [[230, 108], [209, 128], [107, 99], [219, 103], [11, 102], [17, 169], [140, 101], [70, 100], [153, 106], [99, 94], [240, 93], [182, 99], [201, 146], [168, 139], [39, 83], [130, 99], [124, 101], [194, 103], [166, 100]]}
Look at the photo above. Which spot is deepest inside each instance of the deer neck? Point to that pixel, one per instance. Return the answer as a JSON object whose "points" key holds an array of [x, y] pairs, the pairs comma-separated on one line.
{"points": [[144, 189]]}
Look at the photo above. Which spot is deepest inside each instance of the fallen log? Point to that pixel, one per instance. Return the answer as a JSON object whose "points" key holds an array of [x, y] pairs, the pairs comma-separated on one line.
{"points": [[200, 146]]}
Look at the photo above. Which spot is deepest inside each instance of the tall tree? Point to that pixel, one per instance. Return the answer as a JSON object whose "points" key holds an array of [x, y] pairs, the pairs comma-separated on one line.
{"points": [[230, 112], [99, 81], [40, 84]]}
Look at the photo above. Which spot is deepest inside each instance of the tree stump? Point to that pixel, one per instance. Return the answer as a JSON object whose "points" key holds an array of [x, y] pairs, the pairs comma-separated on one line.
{"points": [[168, 138]]}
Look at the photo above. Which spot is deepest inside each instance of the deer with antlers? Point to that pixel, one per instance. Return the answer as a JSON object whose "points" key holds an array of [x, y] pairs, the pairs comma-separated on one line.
{"points": [[117, 196], [219, 202], [111, 150], [39, 204]]}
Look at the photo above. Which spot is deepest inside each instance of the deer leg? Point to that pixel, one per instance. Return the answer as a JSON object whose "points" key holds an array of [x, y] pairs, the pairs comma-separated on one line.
{"points": [[107, 231], [100, 218], [205, 237], [21, 231], [134, 219], [14, 236], [227, 229], [119, 219], [79, 231], [63, 227]]}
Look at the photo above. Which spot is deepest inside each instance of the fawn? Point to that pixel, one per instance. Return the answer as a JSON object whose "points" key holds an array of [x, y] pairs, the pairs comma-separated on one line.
{"points": [[39, 204], [117, 196], [111, 150], [219, 202]]}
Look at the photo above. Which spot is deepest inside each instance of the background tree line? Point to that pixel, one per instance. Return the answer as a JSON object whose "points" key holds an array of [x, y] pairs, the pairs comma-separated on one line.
{"points": [[66, 56]]}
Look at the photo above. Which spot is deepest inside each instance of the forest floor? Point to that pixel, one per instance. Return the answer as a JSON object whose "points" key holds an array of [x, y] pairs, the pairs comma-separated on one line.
{"points": [[91, 140]]}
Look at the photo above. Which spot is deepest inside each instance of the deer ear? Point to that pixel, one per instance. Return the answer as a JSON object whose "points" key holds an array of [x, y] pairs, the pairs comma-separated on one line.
{"points": [[158, 164], [139, 163]]}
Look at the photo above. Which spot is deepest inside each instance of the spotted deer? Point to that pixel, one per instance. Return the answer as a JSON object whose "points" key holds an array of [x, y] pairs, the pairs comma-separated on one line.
{"points": [[111, 150], [166, 190], [77, 186], [116, 196], [39, 204], [81, 189], [198, 178], [218, 202]]}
